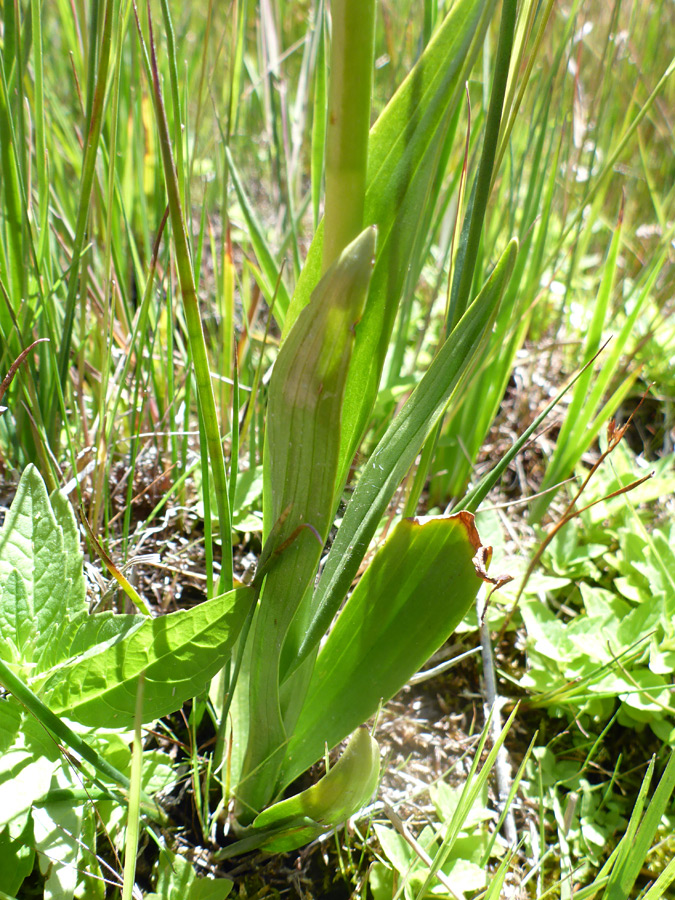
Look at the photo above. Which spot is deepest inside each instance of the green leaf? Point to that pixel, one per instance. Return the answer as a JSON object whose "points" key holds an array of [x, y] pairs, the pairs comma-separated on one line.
{"points": [[341, 793], [16, 627], [319, 114], [413, 595], [300, 465], [247, 493], [177, 880], [207, 405], [585, 416], [381, 882], [474, 220], [398, 449], [28, 761], [397, 850], [64, 515], [41, 586], [634, 847], [89, 635], [179, 654], [16, 856], [64, 832], [306, 393]]}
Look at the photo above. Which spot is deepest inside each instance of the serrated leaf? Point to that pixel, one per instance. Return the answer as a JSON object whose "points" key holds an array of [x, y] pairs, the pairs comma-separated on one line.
{"points": [[31, 542], [17, 635], [65, 518], [179, 654], [90, 634]]}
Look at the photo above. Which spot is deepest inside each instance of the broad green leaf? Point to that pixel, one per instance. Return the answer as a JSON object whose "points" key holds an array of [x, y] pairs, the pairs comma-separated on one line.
{"points": [[28, 762], [64, 832], [91, 882], [404, 150], [17, 634], [304, 419], [210, 889], [247, 493], [302, 440], [246, 515], [179, 654], [306, 392], [91, 634], [35, 613], [413, 595], [381, 882], [10, 724], [395, 847], [398, 449]]}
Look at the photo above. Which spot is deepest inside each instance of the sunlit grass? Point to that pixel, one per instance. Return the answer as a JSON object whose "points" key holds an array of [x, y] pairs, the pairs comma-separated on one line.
{"points": [[156, 216]]}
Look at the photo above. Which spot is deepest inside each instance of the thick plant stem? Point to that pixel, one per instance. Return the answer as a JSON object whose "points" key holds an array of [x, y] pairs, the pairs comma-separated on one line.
{"points": [[349, 99]]}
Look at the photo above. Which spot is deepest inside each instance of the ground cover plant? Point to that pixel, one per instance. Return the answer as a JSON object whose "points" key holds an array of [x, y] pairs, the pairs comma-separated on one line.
{"points": [[292, 257]]}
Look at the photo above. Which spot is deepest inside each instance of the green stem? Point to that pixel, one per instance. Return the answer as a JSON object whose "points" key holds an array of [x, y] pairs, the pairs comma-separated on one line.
{"points": [[133, 817], [175, 97], [349, 100]]}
